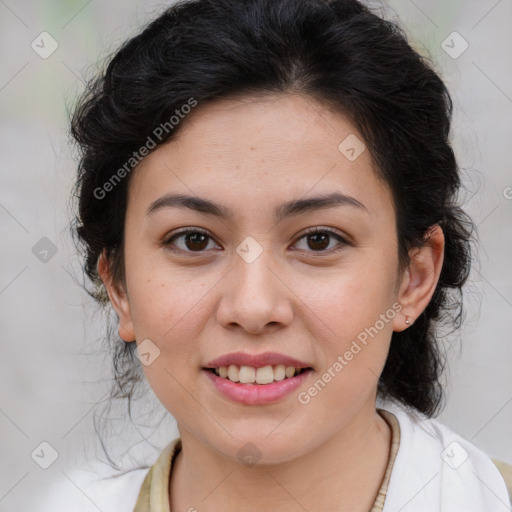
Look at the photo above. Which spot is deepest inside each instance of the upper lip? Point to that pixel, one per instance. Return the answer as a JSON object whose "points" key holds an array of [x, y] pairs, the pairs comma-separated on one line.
{"points": [[256, 360]]}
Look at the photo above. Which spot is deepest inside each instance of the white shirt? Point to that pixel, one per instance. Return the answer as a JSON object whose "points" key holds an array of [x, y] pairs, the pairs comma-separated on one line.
{"points": [[435, 470]]}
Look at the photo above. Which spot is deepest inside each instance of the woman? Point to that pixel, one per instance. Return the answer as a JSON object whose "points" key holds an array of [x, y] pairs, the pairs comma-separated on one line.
{"points": [[267, 193]]}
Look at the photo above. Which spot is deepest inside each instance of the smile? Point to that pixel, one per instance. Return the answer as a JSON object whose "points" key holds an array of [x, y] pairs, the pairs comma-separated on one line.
{"points": [[250, 375], [253, 392]]}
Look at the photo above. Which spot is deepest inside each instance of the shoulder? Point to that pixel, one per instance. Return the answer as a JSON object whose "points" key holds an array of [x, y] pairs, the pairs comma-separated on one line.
{"points": [[154, 492], [456, 469], [506, 472], [83, 491]]}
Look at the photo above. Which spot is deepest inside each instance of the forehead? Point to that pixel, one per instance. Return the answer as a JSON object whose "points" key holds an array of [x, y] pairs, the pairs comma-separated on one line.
{"points": [[264, 149]]}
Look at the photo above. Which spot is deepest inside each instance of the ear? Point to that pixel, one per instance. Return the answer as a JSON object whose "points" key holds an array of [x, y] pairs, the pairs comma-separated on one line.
{"points": [[118, 298], [420, 278]]}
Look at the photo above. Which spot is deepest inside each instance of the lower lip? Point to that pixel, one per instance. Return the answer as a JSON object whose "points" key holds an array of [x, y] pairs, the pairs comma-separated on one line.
{"points": [[255, 394]]}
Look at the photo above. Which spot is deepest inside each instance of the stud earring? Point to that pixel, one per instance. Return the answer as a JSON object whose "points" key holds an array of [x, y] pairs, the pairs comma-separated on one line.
{"points": [[127, 341], [407, 320]]}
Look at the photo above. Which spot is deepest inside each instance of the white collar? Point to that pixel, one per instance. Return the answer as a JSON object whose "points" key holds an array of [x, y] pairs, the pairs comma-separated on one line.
{"points": [[437, 470]]}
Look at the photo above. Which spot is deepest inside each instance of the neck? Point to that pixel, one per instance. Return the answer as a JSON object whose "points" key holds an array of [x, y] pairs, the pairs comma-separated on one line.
{"points": [[346, 470]]}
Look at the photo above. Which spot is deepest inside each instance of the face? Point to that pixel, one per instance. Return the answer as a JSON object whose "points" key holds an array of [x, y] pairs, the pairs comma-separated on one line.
{"points": [[201, 285]]}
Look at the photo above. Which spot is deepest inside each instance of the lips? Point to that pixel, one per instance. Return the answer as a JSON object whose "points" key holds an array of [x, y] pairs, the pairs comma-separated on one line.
{"points": [[256, 379], [257, 394], [256, 360]]}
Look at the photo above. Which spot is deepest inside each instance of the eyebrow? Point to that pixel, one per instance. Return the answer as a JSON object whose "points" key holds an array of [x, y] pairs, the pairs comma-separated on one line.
{"points": [[288, 209]]}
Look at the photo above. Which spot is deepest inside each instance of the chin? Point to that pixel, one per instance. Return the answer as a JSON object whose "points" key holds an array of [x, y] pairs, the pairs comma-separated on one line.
{"points": [[259, 448]]}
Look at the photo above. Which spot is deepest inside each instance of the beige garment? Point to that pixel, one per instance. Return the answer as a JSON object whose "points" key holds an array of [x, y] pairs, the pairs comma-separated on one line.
{"points": [[154, 492]]}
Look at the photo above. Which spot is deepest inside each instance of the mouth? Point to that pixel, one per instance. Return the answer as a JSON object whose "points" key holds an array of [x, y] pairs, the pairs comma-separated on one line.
{"points": [[257, 386], [256, 379], [259, 376]]}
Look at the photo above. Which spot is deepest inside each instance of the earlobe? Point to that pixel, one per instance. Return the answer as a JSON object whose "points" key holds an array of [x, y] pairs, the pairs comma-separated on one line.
{"points": [[118, 298], [422, 276]]}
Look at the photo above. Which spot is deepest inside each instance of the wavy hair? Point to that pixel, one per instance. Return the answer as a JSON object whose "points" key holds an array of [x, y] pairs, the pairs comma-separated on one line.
{"points": [[338, 52]]}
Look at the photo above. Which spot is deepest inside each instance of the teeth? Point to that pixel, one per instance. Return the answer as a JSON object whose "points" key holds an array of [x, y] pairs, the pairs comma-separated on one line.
{"points": [[290, 371], [279, 372], [247, 375], [233, 373], [250, 375], [265, 375]]}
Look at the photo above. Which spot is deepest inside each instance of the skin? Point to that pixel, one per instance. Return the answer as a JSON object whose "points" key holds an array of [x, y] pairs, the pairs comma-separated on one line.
{"points": [[251, 155]]}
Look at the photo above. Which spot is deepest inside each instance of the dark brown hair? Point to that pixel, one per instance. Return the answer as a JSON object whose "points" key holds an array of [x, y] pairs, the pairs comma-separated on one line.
{"points": [[338, 52]]}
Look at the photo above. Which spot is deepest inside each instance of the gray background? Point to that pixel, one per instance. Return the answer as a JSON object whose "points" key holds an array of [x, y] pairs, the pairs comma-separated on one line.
{"points": [[53, 375]]}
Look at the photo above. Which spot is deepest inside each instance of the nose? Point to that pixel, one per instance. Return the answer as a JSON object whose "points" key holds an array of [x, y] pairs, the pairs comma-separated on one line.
{"points": [[254, 296]]}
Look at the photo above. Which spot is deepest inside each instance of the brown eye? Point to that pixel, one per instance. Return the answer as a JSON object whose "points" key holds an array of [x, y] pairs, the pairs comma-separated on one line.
{"points": [[192, 240], [196, 241], [319, 240]]}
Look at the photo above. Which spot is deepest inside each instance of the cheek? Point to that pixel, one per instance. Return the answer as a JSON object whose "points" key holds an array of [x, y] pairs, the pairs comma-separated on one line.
{"points": [[163, 298], [351, 297], [350, 314], [166, 309]]}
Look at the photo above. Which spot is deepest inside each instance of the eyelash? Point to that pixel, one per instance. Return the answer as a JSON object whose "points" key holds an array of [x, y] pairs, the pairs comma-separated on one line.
{"points": [[330, 232]]}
